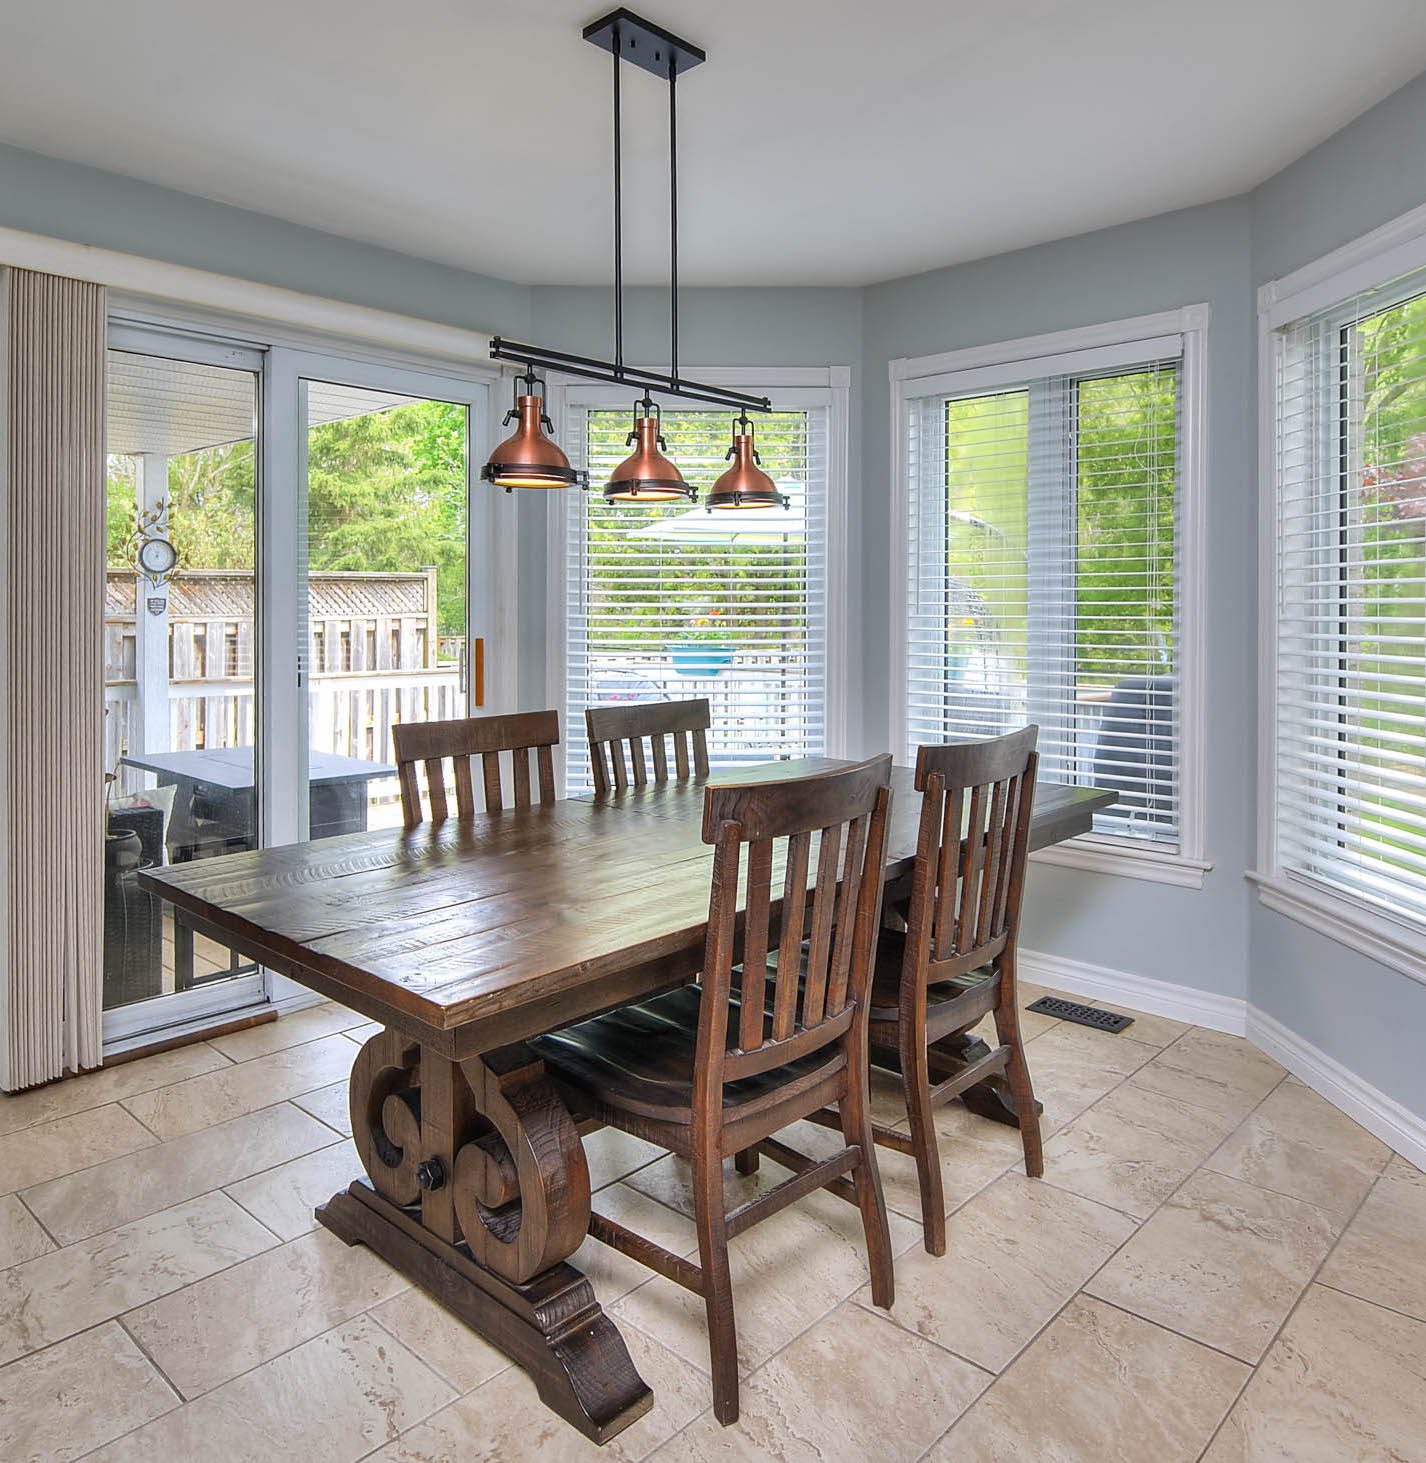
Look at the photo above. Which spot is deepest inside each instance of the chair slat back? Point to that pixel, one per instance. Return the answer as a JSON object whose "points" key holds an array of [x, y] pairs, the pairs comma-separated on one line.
{"points": [[830, 827], [617, 730], [428, 744], [969, 877]]}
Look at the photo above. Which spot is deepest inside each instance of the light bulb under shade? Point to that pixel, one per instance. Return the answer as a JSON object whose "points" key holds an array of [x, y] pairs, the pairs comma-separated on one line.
{"points": [[745, 484], [527, 458], [646, 475]]}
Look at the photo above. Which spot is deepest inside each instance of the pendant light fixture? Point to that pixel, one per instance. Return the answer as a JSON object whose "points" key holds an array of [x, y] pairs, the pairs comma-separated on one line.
{"points": [[528, 459], [745, 484], [647, 476]]}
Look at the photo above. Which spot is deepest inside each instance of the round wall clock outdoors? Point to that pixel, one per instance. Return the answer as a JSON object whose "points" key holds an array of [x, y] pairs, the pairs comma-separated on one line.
{"points": [[157, 558]]}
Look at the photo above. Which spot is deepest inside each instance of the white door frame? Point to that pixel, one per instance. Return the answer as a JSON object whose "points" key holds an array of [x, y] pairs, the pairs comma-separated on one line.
{"points": [[490, 544], [492, 584]]}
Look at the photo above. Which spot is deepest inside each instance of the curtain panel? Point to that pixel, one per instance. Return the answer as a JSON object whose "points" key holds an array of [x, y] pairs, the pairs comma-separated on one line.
{"points": [[51, 745]]}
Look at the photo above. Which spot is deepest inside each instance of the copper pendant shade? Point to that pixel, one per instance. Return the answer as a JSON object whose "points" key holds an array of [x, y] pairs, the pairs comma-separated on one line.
{"points": [[528, 459], [646, 475], [745, 484]]}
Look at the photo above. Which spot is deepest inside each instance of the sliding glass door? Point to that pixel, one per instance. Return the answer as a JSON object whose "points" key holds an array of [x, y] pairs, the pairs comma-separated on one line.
{"points": [[180, 641], [295, 564], [386, 566]]}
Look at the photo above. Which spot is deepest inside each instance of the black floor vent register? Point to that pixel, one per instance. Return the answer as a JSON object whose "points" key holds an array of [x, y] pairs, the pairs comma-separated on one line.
{"points": [[1084, 1015]]}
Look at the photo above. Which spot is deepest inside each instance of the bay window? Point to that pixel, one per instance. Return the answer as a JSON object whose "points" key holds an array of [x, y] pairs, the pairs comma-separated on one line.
{"points": [[1041, 577]]}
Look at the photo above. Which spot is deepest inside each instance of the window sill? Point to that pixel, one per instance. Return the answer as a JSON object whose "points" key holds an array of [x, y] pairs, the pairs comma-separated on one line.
{"points": [[1395, 943], [1099, 856]]}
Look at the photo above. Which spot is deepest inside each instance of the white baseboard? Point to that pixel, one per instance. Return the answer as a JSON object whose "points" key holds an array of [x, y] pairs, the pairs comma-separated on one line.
{"points": [[1396, 1126], [1399, 1128], [1118, 987]]}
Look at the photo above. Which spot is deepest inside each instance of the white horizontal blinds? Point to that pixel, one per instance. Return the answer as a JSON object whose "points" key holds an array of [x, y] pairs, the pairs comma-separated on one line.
{"points": [[668, 601], [1041, 541], [1351, 597]]}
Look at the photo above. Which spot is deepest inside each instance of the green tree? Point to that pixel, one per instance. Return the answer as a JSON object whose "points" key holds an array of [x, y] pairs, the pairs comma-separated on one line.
{"points": [[386, 491]]}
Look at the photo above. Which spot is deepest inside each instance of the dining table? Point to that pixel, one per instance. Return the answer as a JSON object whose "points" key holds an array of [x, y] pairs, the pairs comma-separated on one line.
{"points": [[463, 939]]}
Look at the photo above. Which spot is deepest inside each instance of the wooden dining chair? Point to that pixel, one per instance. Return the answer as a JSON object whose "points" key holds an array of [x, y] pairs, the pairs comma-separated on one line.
{"points": [[428, 744], [717, 1068], [955, 961], [612, 728]]}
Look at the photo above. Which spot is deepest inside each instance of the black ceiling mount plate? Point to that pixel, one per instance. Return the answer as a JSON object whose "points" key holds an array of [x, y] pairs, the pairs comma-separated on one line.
{"points": [[1078, 1012], [643, 43]]}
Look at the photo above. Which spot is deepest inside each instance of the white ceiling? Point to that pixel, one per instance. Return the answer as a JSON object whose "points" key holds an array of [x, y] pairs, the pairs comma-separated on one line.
{"points": [[824, 142]]}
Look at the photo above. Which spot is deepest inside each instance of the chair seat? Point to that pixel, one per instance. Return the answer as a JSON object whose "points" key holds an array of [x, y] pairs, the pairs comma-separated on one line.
{"points": [[640, 1059], [974, 989]]}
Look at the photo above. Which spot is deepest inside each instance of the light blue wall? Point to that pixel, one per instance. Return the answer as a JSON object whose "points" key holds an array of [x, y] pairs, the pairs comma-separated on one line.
{"points": [[1184, 258], [42, 195], [1366, 1016]]}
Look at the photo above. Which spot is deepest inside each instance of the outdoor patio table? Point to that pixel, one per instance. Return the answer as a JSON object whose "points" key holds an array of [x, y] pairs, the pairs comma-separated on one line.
{"points": [[463, 939], [220, 779]]}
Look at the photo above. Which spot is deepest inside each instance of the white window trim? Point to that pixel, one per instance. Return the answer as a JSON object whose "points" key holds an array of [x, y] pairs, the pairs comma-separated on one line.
{"points": [[1396, 248], [1085, 348], [792, 387]]}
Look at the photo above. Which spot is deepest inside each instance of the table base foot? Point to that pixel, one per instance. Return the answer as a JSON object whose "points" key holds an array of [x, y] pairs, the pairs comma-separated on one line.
{"points": [[552, 1326]]}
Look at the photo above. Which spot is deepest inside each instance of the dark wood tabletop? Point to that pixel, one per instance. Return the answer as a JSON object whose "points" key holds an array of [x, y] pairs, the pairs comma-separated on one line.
{"points": [[480, 931]]}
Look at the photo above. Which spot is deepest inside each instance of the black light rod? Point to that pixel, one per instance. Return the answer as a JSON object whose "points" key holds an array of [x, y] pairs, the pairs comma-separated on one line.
{"points": [[672, 219], [618, 207], [591, 369]]}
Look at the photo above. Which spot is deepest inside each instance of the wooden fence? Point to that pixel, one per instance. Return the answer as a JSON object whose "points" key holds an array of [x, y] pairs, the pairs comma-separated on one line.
{"points": [[375, 656]]}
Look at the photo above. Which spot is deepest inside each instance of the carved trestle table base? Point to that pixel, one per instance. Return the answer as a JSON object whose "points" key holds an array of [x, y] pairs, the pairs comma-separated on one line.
{"points": [[479, 1193]]}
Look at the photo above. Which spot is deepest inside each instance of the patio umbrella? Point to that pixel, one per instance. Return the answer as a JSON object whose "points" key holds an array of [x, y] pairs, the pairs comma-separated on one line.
{"points": [[747, 526]]}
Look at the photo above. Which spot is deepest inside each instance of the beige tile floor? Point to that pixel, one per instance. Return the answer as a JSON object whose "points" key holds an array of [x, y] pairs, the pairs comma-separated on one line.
{"points": [[1217, 1265]]}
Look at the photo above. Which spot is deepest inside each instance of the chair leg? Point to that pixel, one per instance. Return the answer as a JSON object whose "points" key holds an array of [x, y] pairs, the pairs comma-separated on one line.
{"points": [[1017, 1074], [916, 1077], [854, 1109], [710, 1217], [746, 1160]]}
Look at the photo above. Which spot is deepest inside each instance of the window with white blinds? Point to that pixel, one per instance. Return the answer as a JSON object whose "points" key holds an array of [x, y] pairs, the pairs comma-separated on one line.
{"points": [[669, 601], [1042, 524], [1350, 599]]}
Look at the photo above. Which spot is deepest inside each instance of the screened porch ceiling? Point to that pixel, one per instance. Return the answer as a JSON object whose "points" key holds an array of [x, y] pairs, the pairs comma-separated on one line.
{"points": [[169, 408]]}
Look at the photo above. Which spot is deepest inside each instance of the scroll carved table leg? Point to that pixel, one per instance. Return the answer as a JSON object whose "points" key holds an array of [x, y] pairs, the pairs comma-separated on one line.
{"points": [[479, 1192]]}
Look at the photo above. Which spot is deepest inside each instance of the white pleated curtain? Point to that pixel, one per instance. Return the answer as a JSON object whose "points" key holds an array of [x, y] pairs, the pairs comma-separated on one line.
{"points": [[52, 497]]}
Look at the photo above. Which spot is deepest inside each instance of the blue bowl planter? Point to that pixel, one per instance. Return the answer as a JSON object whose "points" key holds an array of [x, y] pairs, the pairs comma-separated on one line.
{"points": [[701, 660]]}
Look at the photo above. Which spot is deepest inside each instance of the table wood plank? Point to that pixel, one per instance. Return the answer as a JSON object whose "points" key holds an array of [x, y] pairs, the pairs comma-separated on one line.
{"points": [[550, 908]]}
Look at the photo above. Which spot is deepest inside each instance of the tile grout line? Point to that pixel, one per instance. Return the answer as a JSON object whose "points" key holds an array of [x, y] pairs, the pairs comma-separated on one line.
{"points": [[1291, 1312], [152, 1360], [107, 1101], [1138, 1225], [44, 1228], [1019, 1160], [99, 1162], [286, 1350], [1366, 1301], [456, 1394], [98, 1325], [220, 1188]]}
